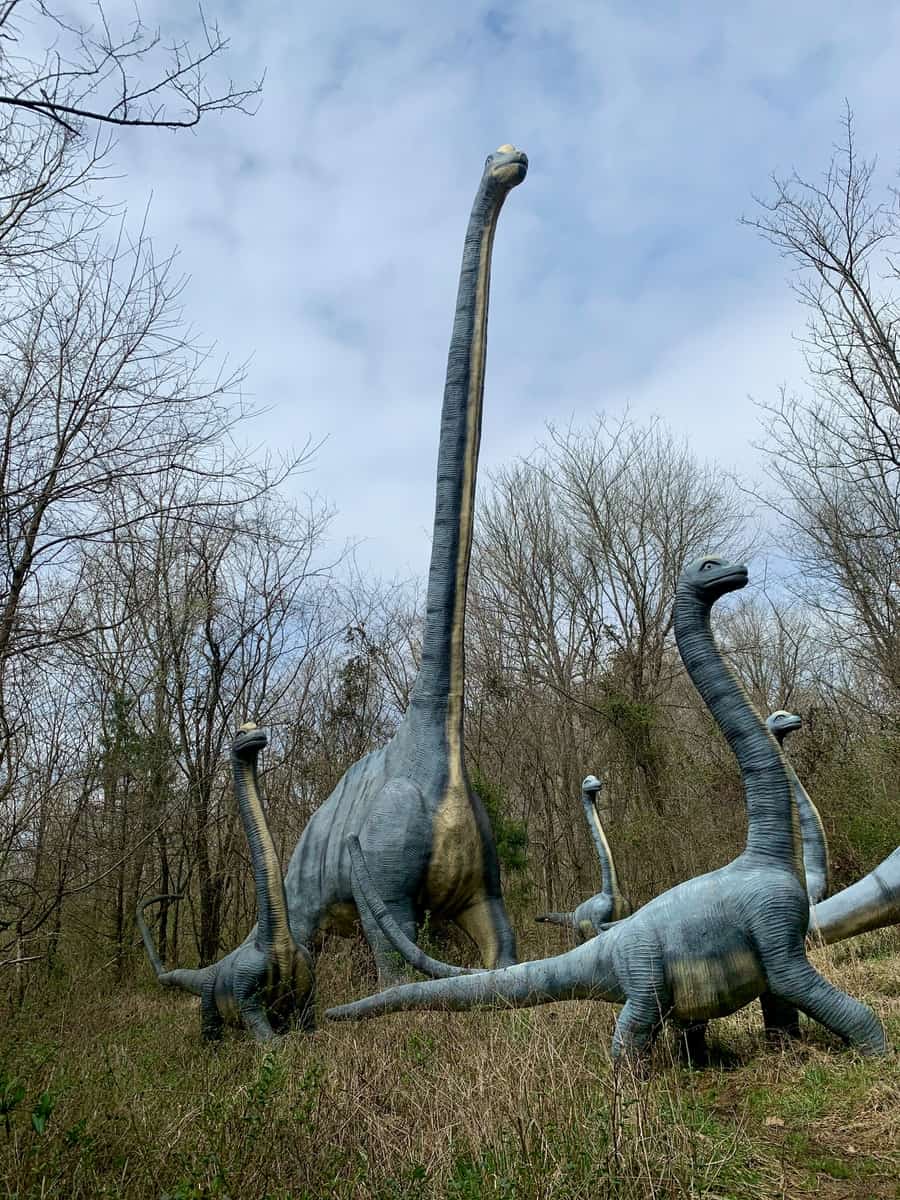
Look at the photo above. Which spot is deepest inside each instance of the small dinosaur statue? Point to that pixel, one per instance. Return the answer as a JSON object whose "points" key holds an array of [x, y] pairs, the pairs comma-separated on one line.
{"points": [[812, 832], [608, 904], [708, 946], [425, 832], [267, 984]]}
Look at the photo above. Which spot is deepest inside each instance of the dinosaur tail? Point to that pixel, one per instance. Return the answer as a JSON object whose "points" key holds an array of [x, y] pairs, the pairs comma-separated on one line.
{"points": [[366, 895], [569, 976], [871, 903], [187, 980], [567, 919]]}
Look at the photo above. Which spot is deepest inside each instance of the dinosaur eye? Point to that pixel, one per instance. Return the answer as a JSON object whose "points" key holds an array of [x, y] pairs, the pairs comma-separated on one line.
{"points": [[708, 564]]}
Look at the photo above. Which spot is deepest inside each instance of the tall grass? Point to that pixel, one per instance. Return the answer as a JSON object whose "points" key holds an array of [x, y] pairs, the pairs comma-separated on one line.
{"points": [[107, 1091]]}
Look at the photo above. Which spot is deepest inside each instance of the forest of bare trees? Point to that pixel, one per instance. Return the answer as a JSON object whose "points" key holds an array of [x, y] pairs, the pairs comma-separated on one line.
{"points": [[158, 588]]}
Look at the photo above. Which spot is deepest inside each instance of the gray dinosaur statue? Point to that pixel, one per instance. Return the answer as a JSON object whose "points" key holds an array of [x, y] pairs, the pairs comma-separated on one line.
{"points": [[708, 946], [424, 831], [267, 984], [812, 832], [608, 904]]}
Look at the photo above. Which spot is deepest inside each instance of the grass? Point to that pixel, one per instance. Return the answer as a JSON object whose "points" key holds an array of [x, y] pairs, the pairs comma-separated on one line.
{"points": [[109, 1092]]}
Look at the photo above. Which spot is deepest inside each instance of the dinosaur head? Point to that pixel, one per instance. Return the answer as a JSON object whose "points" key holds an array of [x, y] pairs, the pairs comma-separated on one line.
{"points": [[781, 723], [711, 577], [592, 785], [248, 741], [506, 167]]}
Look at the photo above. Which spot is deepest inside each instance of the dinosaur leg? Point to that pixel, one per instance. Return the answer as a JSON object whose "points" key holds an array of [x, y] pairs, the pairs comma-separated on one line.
{"points": [[480, 922], [781, 1020], [388, 962], [796, 982], [692, 1048], [637, 1026], [210, 1018], [256, 1022]]}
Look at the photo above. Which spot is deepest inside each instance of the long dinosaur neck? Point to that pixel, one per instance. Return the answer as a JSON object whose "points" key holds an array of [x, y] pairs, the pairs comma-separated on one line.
{"points": [[816, 866], [772, 828], [440, 683], [610, 882], [273, 930]]}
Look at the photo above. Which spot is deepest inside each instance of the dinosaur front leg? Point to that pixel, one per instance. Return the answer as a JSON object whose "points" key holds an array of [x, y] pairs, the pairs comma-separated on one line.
{"points": [[256, 1022], [636, 1027], [484, 922], [796, 982], [210, 1018], [692, 1048]]}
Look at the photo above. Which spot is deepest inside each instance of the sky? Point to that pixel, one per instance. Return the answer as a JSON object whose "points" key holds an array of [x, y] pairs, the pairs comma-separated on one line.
{"points": [[323, 235]]}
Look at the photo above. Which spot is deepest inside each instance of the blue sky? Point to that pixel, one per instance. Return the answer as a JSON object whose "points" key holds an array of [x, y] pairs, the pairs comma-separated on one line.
{"points": [[323, 236]]}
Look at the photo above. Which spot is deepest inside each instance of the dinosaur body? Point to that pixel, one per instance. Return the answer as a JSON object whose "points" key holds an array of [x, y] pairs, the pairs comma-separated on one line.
{"points": [[608, 904], [265, 984], [710, 945], [425, 833]]}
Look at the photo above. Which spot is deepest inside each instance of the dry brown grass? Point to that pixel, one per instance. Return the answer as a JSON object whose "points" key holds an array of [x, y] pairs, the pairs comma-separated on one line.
{"points": [[516, 1104]]}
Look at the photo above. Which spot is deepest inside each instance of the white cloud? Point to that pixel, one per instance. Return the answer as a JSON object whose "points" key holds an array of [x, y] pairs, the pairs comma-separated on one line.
{"points": [[323, 236]]}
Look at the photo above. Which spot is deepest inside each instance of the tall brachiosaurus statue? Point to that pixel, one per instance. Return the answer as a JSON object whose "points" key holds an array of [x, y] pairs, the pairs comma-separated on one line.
{"points": [[425, 833], [608, 904], [708, 946], [266, 984]]}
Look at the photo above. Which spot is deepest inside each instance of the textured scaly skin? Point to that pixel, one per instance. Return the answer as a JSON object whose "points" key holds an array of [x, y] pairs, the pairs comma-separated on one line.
{"points": [[708, 946], [425, 833], [267, 984]]}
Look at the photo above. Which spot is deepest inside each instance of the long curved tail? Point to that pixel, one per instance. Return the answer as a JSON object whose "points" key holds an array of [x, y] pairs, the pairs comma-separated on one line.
{"points": [[366, 894], [186, 979], [570, 976], [871, 903]]}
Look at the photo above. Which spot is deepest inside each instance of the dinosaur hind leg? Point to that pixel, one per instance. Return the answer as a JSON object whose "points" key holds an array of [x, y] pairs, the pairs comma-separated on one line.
{"points": [[485, 922], [388, 962], [796, 982], [780, 1019]]}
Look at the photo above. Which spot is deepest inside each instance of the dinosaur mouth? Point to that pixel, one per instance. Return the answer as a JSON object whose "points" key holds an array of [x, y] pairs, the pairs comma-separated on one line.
{"points": [[732, 579], [254, 740], [514, 166]]}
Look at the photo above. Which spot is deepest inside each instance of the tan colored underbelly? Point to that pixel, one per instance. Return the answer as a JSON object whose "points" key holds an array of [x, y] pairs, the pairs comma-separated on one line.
{"points": [[456, 870], [715, 985]]}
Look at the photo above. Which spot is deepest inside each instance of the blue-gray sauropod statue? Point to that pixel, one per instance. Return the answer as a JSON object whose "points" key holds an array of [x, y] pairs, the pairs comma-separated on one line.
{"points": [[425, 834], [608, 904], [812, 832], [710, 945], [266, 984]]}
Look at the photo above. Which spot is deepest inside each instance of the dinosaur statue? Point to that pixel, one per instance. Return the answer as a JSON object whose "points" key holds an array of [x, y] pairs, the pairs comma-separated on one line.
{"points": [[812, 832], [267, 984], [710, 945], [424, 831], [609, 904]]}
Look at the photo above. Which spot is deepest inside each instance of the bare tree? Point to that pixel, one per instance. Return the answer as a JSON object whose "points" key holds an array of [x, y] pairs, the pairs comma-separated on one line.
{"points": [[93, 73], [835, 449]]}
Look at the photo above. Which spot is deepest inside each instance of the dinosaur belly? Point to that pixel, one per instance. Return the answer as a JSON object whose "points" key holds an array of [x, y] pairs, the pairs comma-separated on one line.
{"points": [[714, 984]]}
